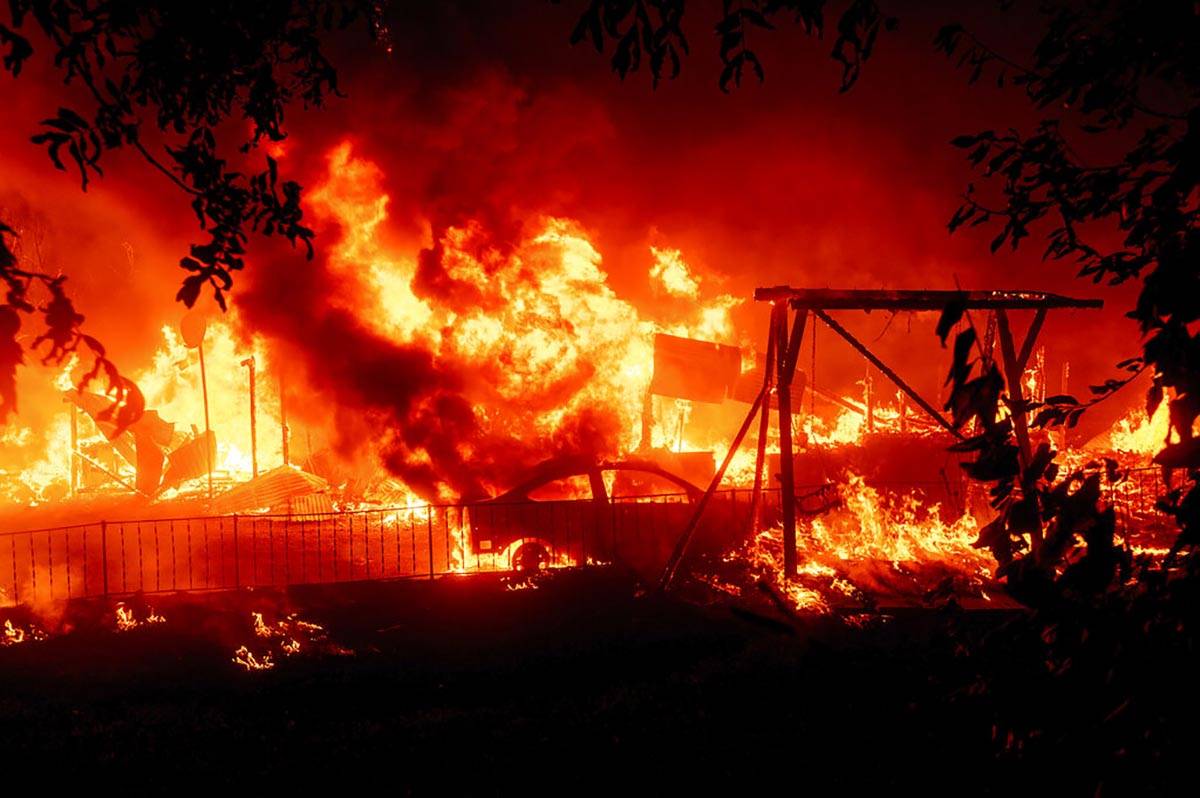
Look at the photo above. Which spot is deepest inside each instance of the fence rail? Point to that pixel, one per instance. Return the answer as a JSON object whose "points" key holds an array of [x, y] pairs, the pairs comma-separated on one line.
{"points": [[238, 551]]}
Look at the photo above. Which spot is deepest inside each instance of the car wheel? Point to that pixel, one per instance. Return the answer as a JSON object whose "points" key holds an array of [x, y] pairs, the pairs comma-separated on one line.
{"points": [[530, 558]]}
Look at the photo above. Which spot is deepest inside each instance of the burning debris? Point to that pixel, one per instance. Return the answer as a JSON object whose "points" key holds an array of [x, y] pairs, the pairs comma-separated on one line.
{"points": [[285, 637], [127, 620], [13, 634]]}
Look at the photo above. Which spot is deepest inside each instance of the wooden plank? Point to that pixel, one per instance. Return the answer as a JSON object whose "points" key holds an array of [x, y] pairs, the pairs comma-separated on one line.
{"points": [[850, 299], [1031, 335]]}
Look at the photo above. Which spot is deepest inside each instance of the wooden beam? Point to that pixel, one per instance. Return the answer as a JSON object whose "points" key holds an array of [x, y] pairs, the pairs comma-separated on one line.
{"points": [[840, 299], [763, 428], [891, 375], [685, 538], [1031, 335]]}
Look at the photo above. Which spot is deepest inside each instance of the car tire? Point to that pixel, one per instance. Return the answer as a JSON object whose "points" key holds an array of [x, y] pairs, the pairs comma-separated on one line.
{"points": [[530, 558]]}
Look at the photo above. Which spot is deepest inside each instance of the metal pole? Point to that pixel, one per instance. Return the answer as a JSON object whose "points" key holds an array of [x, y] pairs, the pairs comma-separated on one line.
{"points": [[207, 426], [104, 555], [249, 363], [283, 425], [237, 566]]}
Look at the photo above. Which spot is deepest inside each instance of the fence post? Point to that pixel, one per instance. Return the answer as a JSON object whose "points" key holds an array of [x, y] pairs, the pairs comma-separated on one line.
{"points": [[429, 524], [237, 570], [104, 554]]}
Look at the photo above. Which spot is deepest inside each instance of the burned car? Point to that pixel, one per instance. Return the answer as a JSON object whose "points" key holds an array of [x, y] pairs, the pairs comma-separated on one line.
{"points": [[576, 511]]}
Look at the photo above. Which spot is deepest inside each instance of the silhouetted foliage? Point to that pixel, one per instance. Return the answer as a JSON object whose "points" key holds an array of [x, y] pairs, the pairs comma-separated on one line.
{"points": [[1100, 63], [654, 28], [179, 69]]}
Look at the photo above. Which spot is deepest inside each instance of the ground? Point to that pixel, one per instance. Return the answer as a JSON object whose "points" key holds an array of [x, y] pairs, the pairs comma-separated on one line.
{"points": [[467, 685]]}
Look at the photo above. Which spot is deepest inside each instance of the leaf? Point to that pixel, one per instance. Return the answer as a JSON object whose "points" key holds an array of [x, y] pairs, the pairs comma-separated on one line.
{"points": [[1185, 454], [1154, 397], [951, 315], [189, 292]]}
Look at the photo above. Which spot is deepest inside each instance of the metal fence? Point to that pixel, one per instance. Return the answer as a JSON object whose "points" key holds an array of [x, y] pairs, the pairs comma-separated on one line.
{"points": [[237, 551], [1135, 499]]}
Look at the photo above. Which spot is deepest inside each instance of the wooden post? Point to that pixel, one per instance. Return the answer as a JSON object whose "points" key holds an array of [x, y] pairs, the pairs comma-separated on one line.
{"points": [[786, 367]]}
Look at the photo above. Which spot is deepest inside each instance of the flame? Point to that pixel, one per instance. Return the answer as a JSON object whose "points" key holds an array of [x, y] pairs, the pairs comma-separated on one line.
{"points": [[838, 552], [1138, 434], [12, 634], [247, 659], [672, 274], [172, 386], [126, 620], [544, 336]]}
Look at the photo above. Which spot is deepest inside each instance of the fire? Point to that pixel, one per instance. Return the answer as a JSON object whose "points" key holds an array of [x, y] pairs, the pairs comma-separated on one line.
{"points": [[537, 326], [171, 384], [840, 551], [1137, 434], [172, 387], [246, 658], [284, 638], [672, 274], [127, 620], [12, 634], [901, 530]]}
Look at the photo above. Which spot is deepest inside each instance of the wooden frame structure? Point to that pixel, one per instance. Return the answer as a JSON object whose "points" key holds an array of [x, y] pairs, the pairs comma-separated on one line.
{"points": [[790, 311]]}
